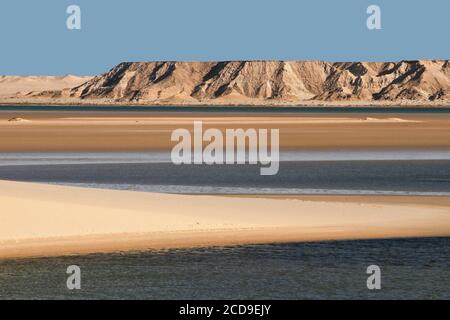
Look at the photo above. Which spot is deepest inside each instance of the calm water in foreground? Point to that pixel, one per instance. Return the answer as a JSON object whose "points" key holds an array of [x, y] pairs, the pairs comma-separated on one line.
{"points": [[410, 268]]}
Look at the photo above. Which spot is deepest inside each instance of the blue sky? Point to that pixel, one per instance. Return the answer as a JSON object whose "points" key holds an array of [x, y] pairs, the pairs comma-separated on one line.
{"points": [[35, 40]]}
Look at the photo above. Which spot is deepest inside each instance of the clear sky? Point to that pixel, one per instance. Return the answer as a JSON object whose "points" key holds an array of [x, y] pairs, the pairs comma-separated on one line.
{"points": [[35, 39]]}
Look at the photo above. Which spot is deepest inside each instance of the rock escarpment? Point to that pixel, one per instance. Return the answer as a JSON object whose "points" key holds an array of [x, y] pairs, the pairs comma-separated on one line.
{"points": [[265, 82]]}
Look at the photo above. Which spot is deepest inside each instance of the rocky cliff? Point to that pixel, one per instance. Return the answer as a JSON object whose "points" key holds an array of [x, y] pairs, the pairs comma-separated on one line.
{"points": [[265, 82]]}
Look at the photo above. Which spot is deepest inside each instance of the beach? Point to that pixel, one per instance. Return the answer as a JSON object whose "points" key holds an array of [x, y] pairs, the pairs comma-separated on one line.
{"points": [[48, 220]]}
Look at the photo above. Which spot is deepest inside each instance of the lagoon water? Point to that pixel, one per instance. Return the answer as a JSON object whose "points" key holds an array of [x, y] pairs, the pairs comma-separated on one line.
{"points": [[226, 109], [410, 269], [396, 173]]}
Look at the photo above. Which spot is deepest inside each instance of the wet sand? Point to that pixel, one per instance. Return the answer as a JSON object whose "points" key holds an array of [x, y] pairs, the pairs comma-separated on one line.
{"points": [[122, 131], [425, 201]]}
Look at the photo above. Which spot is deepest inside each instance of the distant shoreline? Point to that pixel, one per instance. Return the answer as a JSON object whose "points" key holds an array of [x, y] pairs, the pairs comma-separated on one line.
{"points": [[259, 104], [225, 108]]}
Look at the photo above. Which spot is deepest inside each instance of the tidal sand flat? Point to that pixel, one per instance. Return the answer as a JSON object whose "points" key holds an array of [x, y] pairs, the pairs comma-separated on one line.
{"points": [[48, 220], [138, 131]]}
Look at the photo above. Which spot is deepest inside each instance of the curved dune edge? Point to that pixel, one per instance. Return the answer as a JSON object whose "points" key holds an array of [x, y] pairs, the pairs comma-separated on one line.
{"points": [[47, 220]]}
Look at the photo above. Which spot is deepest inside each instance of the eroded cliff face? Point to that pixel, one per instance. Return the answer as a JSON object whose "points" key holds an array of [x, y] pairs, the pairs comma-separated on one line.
{"points": [[268, 82]]}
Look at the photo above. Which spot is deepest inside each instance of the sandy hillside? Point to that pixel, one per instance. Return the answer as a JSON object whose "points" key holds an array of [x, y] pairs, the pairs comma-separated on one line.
{"points": [[12, 85]]}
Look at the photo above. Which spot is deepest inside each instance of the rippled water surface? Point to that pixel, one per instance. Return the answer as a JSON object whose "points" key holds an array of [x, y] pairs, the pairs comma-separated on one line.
{"points": [[410, 268], [396, 173]]}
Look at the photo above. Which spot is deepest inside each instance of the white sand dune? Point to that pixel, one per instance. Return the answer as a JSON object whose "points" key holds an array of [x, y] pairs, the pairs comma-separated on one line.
{"points": [[39, 219], [11, 85]]}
